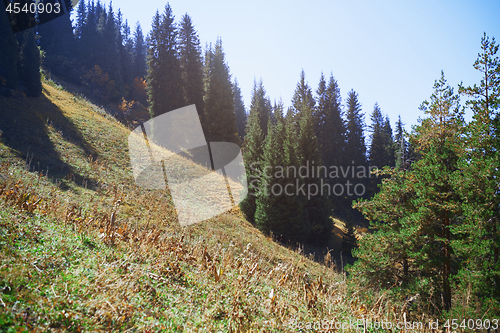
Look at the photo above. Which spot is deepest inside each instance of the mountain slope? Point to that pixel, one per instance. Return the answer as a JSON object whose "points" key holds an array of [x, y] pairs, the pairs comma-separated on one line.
{"points": [[84, 248]]}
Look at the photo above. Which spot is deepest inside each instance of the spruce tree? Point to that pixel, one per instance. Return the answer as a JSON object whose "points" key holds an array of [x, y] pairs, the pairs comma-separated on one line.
{"points": [[279, 210], [57, 40], [164, 74], [401, 145], [389, 143], [253, 157], [239, 111], [381, 145], [191, 63], [28, 64], [8, 55], [110, 63], [124, 45], [261, 105], [331, 130], [317, 206], [81, 16], [139, 67], [219, 118], [302, 99], [355, 140], [253, 146]]}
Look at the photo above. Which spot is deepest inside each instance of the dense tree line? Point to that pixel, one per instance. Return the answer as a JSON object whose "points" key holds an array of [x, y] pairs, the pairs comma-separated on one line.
{"points": [[436, 218], [311, 163]]}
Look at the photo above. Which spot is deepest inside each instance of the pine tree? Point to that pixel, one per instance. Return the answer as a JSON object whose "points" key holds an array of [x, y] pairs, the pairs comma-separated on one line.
{"points": [[478, 182], [278, 209], [331, 130], [239, 111], [255, 130], [355, 140], [124, 45], [389, 143], [110, 63], [191, 63], [253, 157], [415, 209], [164, 74], [81, 16], [302, 98], [317, 205], [9, 51], [219, 117], [139, 67], [28, 64], [381, 146], [401, 152], [438, 140], [261, 105], [57, 40]]}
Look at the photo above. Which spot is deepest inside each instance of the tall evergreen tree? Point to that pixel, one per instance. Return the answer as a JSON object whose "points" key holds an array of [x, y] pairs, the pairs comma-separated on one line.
{"points": [[381, 145], [239, 111], [401, 150], [261, 105], [478, 182], [317, 206], [438, 140], [415, 210], [81, 16], [331, 130], [355, 140], [219, 117], [110, 63], [191, 63], [277, 210], [28, 64], [253, 157], [302, 98], [57, 40], [124, 45], [9, 51], [164, 75], [139, 67]]}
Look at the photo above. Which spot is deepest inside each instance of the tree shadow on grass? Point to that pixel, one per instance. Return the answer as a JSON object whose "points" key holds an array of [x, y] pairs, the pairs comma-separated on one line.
{"points": [[25, 124]]}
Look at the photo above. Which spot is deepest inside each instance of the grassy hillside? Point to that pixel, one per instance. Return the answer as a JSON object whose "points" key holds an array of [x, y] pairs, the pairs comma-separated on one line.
{"points": [[82, 248]]}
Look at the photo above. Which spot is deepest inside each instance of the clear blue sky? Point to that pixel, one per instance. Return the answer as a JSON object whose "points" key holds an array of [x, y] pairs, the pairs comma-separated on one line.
{"points": [[389, 52]]}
